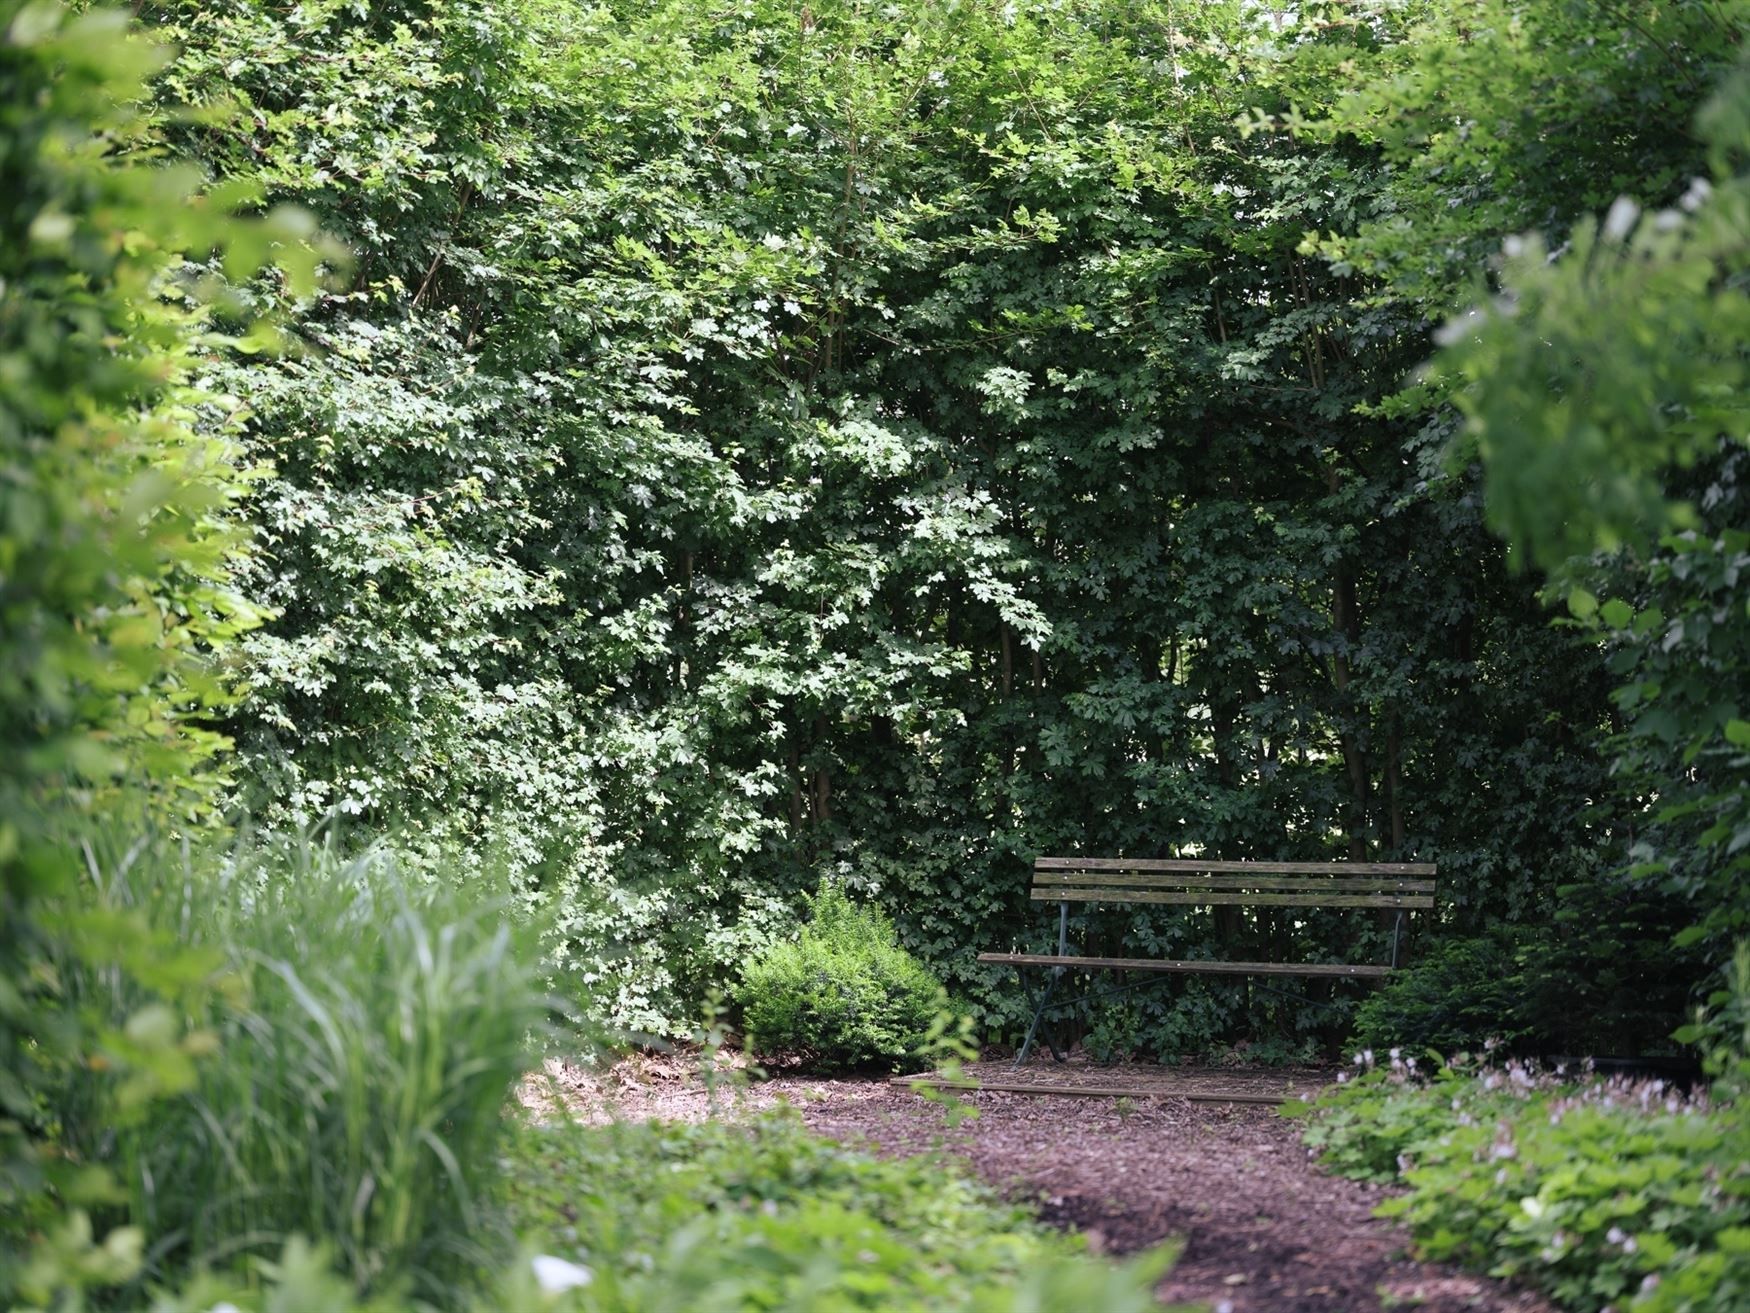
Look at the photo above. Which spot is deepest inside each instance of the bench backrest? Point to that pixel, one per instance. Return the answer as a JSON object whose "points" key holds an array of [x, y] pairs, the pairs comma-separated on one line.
{"points": [[1198, 883]]}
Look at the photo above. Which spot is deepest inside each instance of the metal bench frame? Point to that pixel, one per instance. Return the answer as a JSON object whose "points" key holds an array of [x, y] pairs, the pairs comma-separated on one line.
{"points": [[1192, 882]]}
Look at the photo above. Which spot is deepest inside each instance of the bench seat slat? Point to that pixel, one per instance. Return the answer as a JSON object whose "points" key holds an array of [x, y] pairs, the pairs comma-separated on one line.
{"points": [[1222, 897], [1262, 868], [1200, 968], [1384, 884]]}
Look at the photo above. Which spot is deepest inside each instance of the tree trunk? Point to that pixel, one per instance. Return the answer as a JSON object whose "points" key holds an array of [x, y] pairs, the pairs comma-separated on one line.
{"points": [[822, 777]]}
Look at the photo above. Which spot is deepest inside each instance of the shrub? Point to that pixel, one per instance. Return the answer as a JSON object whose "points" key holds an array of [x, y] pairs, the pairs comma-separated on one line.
{"points": [[1604, 1194], [1462, 994], [767, 1216], [1600, 977], [363, 1045], [844, 995]]}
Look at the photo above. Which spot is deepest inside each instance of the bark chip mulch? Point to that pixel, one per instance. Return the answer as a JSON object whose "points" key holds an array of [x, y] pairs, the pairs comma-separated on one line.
{"points": [[1264, 1231]]}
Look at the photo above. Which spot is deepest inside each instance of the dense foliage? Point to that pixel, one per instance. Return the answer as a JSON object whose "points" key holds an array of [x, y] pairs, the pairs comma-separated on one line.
{"points": [[116, 534], [889, 445], [1599, 980], [1624, 357], [844, 995], [738, 448]]}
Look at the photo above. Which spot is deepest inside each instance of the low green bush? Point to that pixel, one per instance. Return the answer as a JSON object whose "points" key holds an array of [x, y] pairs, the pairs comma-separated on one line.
{"points": [[766, 1216], [1600, 975], [1462, 994], [844, 995], [1604, 1194]]}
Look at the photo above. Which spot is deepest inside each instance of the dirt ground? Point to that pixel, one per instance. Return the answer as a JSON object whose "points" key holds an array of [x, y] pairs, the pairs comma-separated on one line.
{"points": [[1264, 1230]]}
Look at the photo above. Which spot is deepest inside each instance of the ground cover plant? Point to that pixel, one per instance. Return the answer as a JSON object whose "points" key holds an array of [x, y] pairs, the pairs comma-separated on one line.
{"points": [[1604, 1194], [892, 446], [1607, 1193], [764, 1215]]}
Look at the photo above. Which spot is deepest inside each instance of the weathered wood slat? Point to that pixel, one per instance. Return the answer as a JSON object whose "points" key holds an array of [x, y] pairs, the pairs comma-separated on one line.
{"points": [[1333, 969], [1192, 864], [1230, 899], [1284, 883], [1093, 1091]]}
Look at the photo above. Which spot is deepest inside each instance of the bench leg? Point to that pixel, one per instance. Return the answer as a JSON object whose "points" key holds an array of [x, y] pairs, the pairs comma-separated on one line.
{"points": [[1038, 1016]]}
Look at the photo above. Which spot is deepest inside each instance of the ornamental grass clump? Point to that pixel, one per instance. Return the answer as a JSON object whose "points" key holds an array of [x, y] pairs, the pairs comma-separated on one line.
{"points": [[358, 1059], [844, 996]]}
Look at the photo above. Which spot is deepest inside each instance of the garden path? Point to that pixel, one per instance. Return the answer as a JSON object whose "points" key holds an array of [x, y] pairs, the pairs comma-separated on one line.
{"points": [[1264, 1230]]}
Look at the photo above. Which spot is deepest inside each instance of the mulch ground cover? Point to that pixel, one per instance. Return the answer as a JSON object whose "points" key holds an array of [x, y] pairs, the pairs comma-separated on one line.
{"points": [[1264, 1231]]}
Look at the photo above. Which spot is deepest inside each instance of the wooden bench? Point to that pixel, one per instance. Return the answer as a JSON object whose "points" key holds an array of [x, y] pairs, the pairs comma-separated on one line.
{"points": [[1192, 882]]}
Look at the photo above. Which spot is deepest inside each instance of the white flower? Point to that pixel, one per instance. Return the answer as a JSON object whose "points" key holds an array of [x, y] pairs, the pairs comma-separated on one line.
{"points": [[792, 308], [762, 305], [557, 1275], [772, 242], [795, 130], [1621, 218], [224, 1306], [1395, 1054]]}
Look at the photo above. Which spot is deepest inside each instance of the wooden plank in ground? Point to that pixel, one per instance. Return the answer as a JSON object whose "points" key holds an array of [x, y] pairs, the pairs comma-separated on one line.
{"points": [[1095, 1091]]}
